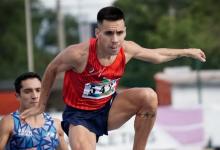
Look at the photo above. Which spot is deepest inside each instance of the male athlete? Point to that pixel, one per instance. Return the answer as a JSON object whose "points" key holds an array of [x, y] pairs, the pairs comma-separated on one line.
{"points": [[92, 73], [38, 132]]}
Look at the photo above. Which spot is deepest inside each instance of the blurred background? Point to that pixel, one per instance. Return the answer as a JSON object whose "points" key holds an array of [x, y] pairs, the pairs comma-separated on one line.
{"points": [[35, 31]]}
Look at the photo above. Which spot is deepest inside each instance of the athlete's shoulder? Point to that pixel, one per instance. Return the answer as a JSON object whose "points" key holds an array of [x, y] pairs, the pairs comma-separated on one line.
{"points": [[7, 118], [130, 49], [129, 45], [6, 123], [76, 51], [79, 47]]}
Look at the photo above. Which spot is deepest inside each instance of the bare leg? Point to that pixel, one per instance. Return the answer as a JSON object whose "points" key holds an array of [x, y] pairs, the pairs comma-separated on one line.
{"points": [[81, 138], [141, 102], [143, 124]]}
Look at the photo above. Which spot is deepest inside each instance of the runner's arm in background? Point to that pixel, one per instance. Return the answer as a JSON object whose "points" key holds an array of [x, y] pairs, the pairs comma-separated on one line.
{"points": [[62, 143], [6, 128]]}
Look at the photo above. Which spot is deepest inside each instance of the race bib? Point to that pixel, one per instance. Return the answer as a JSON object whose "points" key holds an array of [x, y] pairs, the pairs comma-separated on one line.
{"points": [[99, 90]]}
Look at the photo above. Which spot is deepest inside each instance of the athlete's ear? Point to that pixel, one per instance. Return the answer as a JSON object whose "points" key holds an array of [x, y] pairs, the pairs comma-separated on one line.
{"points": [[125, 32], [97, 32], [17, 95]]}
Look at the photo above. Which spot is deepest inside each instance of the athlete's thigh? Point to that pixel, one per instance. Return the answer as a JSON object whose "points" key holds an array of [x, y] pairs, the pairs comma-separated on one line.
{"points": [[81, 137], [124, 106]]}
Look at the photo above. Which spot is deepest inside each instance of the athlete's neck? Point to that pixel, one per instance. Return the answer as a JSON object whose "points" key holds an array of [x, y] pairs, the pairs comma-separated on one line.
{"points": [[104, 58]]}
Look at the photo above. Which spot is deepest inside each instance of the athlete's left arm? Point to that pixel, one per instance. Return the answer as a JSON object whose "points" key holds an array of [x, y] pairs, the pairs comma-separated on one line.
{"points": [[62, 143], [160, 55]]}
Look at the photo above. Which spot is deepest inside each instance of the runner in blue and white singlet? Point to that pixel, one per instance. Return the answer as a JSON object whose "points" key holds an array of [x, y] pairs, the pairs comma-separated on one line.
{"points": [[26, 137], [38, 132]]}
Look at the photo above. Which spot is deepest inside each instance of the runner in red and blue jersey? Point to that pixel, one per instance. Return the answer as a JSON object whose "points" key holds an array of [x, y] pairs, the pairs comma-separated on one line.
{"points": [[92, 88], [93, 70]]}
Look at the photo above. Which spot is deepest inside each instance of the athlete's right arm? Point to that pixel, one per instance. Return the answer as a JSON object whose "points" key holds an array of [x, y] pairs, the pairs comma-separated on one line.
{"points": [[73, 57], [6, 128]]}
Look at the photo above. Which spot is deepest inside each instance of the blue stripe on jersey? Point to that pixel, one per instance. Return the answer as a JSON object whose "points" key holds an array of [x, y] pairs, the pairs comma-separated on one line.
{"points": [[25, 137]]}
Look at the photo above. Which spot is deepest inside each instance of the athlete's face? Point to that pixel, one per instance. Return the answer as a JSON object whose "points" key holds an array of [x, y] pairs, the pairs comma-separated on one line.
{"points": [[111, 35], [29, 93]]}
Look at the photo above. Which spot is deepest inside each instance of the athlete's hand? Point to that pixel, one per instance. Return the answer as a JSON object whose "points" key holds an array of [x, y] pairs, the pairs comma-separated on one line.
{"points": [[196, 54], [32, 112]]}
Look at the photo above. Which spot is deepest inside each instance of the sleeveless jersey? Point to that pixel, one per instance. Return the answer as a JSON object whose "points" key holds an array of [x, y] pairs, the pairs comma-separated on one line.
{"points": [[25, 137], [94, 87]]}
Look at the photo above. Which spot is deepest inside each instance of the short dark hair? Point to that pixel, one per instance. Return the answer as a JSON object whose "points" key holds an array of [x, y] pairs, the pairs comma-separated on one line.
{"points": [[109, 13], [22, 77]]}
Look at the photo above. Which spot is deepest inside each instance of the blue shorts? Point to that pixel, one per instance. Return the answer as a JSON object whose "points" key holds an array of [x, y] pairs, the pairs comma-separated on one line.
{"points": [[95, 121]]}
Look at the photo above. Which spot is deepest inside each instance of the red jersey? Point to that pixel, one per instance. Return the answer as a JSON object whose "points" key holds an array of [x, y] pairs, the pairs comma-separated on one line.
{"points": [[92, 88]]}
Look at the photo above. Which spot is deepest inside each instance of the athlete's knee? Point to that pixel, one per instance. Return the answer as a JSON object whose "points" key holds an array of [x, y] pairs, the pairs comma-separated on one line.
{"points": [[149, 99], [81, 144], [77, 145]]}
